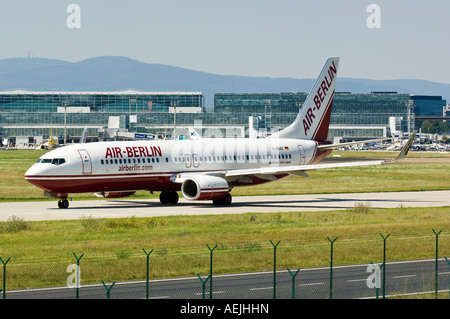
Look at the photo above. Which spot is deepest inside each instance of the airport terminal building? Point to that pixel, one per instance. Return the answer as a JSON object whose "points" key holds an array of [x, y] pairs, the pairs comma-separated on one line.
{"points": [[27, 117]]}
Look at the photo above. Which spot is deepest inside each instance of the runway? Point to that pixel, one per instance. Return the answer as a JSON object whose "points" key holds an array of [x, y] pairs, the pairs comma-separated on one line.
{"points": [[48, 210]]}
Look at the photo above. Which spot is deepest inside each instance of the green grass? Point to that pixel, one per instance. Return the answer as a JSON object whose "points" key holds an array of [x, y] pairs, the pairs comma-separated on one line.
{"points": [[41, 252]]}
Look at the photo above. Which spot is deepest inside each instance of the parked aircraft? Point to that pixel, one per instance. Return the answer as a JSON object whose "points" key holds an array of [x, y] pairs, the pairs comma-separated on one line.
{"points": [[201, 168]]}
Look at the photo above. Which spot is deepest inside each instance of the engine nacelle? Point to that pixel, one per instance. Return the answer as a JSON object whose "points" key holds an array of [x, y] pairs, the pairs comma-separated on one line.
{"points": [[204, 187], [114, 194]]}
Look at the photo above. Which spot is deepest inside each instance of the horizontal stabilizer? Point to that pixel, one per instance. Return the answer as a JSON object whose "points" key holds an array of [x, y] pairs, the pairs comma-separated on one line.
{"points": [[334, 146]]}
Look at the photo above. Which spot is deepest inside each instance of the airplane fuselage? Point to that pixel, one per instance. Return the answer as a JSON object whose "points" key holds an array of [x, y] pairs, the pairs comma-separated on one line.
{"points": [[149, 165]]}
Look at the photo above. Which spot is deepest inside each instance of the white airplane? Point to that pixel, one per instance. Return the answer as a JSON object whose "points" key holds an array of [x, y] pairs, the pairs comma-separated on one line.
{"points": [[202, 169]]}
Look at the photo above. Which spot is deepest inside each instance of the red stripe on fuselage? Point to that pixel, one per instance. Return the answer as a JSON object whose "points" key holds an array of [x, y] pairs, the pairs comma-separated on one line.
{"points": [[95, 184]]}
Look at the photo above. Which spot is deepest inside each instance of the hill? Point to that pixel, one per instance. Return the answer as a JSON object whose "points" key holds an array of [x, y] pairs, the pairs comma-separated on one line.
{"points": [[110, 73]]}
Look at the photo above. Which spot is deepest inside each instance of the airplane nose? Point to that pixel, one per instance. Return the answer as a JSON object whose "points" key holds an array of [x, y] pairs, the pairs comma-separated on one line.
{"points": [[32, 175]]}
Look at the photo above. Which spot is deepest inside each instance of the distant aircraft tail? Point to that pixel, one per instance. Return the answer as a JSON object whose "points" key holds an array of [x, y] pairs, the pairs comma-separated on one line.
{"points": [[193, 135], [313, 119], [83, 138]]}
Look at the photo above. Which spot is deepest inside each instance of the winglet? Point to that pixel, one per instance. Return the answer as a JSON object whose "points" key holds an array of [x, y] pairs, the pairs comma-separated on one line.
{"points": [[406, 147]]}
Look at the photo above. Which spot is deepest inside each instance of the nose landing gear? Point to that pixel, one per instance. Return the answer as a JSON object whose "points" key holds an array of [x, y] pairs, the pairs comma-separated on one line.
{"points": [[63, 203]]}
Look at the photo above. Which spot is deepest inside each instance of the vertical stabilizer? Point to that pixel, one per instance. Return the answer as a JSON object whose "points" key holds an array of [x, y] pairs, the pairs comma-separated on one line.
{"points": [[313, 119]]}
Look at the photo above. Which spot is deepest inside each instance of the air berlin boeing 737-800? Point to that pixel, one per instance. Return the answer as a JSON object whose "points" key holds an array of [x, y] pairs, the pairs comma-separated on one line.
{"points": [[201, 168]]}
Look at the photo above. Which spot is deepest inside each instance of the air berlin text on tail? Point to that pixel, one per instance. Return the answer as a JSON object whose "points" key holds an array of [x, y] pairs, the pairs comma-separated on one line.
{"points": [[321, 93]]}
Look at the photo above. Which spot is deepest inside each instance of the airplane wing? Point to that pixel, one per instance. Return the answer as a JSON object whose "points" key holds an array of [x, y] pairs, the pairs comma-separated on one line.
{"points": [[269, 173]]}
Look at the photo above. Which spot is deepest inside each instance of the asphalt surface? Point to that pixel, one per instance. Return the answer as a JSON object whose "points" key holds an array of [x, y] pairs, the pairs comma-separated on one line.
{"points": [[48, 210]]}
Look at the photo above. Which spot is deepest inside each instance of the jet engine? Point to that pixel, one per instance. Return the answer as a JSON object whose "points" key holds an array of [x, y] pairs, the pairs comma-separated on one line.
{"points": [[114, 194], [204, 187]]}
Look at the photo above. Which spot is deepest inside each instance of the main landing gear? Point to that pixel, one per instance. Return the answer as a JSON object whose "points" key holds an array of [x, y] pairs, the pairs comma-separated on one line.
{"points": [[226, 201], [168, 197], [171, 197], [63, 203]]}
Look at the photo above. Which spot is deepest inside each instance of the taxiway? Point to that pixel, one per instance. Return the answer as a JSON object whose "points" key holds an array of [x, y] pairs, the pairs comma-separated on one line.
{"points": [[117, 208]]}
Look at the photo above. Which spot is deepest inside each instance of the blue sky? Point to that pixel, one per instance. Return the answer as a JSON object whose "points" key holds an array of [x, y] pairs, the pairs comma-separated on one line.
{"points": [[284, 38]]}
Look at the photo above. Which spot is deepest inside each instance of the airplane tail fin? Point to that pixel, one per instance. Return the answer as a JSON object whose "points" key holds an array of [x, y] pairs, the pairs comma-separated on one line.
{"points": [[193, 135], [313, 119]]}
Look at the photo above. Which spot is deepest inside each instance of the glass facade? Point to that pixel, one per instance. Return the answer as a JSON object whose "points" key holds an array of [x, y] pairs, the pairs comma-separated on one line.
{"points": [[356, 115], [353, 115], [122, 102], [425, 105], [257, 102]]}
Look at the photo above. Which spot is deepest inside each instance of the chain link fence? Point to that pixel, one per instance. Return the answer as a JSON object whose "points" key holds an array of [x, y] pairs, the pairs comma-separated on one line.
{"points": [[159, 274]]}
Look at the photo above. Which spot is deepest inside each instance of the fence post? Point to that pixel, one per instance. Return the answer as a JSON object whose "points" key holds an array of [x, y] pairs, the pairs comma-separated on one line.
{"points": [[384, 264], [448, 262], [108, 290], [203, 284], [377, 279], [147, 276], [77, 289], [4, 276], [331, 267], [293, 281], [210, 269], [275, 268], [436, 265]]}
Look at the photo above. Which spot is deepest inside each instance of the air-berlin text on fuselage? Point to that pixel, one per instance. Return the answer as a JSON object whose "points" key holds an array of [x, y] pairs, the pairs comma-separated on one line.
{"points": [[321, 93], [133, 151]]}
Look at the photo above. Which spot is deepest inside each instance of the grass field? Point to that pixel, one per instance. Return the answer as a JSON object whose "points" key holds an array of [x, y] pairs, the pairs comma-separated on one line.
{"points": [[113, 247]]}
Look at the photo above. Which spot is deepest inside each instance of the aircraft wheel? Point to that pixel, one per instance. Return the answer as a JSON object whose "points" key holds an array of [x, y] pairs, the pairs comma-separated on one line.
{"points": [[173, 197], [227, 199], [164, 197], [63, 203], [223, 201]]}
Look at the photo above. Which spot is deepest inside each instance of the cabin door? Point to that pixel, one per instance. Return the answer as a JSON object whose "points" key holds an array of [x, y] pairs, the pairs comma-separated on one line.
{"points": [[86, 162]]}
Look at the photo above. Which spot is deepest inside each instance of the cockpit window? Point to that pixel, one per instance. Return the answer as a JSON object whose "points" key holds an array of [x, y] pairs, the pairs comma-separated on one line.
{"points": [[54, 161], [58, 161]]}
